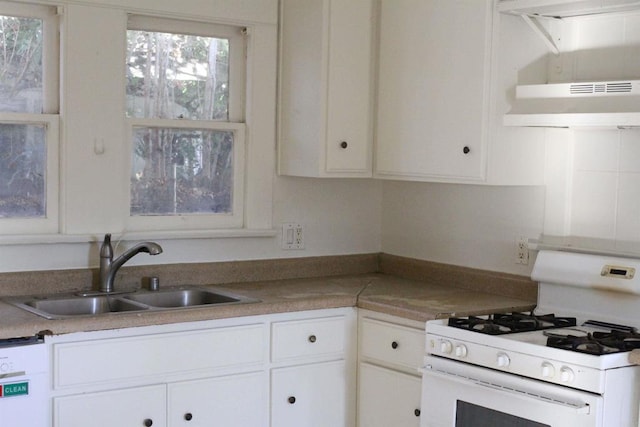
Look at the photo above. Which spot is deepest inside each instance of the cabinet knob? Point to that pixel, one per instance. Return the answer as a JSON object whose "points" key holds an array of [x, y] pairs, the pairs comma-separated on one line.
{"points": [[312, 338], [466, 149], [291, 399], [148, 422], [416, 412], [188, 416], [394, 345], [344, 144]]}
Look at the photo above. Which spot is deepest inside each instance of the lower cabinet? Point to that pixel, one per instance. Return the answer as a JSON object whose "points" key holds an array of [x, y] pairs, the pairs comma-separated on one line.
{"points": [[309, 396], [140, 406], [230, 401], [313, 375], [281, 370], [388, 397], [391, 350]]}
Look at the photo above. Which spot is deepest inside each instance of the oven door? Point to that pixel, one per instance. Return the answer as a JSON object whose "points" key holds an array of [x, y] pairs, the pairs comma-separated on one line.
{"points": [[457, 394]]}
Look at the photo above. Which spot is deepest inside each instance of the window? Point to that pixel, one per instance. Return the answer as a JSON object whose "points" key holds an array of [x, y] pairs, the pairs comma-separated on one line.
{"points": [[185, 110], [28, 119]]}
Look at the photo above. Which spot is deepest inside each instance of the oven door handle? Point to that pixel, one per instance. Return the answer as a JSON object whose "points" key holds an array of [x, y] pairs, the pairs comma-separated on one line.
{"points": [[578, 408]]}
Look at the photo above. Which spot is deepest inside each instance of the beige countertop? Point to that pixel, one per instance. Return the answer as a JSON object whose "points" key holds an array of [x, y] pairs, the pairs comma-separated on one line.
{"points": [[379, 292]]}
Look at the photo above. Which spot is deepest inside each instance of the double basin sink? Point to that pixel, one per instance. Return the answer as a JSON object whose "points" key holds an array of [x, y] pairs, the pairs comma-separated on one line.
{"points": [[61, 307]]}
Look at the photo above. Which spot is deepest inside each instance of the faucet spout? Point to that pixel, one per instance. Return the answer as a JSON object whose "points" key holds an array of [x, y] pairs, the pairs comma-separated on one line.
{"points": [[109, 266]]}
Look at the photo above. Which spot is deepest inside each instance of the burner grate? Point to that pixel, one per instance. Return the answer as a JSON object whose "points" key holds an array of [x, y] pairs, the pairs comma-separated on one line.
{"points": [[499, 323], [596, 343]]}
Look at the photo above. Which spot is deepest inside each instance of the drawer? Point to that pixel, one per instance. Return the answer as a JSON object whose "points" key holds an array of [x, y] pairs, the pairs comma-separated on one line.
{"points": [[391, 343], [308, 338], [152, 356]]}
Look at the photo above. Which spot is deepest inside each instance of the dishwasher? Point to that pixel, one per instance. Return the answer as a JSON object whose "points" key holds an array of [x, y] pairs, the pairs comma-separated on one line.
{"points": [[24, 382]]}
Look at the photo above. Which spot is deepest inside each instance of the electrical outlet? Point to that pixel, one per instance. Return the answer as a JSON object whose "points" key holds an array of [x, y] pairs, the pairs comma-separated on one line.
{"points": [[292, 236], [522, 253]]}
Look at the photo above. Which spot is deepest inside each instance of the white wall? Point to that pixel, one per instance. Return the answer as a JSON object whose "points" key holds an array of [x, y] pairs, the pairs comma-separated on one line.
{"points": [[599, 186], [339, 217], [467, 225]]}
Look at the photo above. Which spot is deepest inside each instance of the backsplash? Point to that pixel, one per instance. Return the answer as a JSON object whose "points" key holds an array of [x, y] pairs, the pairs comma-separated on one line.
{"points": [[601, 192], [129, 278]]}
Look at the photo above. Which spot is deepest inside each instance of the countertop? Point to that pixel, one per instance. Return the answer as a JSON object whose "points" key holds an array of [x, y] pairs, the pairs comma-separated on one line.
{"points": [[389, 294]]}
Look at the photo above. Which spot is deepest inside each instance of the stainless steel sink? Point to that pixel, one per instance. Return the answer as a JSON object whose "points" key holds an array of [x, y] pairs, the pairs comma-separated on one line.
{"points": [[58, 307], [183, 298], [71, 306]]}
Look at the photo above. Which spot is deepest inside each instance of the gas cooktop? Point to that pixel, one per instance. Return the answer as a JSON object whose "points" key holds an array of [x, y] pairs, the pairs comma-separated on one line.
{"points": [[591, 337]]}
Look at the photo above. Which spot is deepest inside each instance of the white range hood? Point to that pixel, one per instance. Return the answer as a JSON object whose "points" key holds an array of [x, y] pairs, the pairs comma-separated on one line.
{"points": [[580, 104], [565, 8], [609, 104]]}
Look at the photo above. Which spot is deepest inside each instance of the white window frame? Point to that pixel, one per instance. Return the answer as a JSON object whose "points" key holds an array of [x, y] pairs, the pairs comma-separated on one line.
{"points": [[193, 221], [236, 124], [49, 119]]}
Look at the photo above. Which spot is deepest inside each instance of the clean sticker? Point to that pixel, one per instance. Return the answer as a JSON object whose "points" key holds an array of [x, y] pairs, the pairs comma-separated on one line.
{"points": [[14, 389]]}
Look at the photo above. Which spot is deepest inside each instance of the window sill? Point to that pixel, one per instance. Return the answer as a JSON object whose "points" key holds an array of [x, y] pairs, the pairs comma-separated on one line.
{"points": [[133, 236]]}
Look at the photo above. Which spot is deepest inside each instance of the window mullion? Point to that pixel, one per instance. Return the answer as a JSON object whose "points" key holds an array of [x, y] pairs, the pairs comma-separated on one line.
{"points": [[184, 124]]}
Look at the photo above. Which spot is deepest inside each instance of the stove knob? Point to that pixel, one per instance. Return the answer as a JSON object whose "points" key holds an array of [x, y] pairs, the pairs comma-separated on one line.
{"points": [[548, 371], [566, 374], [503, 360], [446, 347], [461, 350]]}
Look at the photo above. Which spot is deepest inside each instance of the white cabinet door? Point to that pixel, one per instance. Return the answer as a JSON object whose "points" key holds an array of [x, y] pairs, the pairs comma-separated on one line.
{"points": [[387, 398], [349, 87], [325, 88], [310, 396], [140, 406], [230, 401], [433, 89]]}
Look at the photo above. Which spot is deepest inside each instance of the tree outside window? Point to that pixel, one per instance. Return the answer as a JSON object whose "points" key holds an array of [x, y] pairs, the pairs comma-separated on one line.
{"points": [[175, 170]]}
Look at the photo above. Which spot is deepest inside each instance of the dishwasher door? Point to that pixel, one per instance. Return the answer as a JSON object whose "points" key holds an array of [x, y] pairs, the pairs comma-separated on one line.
{"points": [[24, 383]]}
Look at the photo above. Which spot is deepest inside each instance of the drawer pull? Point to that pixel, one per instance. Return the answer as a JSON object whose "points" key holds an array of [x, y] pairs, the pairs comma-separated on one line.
{"points": [[148, 422], [291, 399], [394, 345], [312, 338], [416, 412], [344, 144], [188, 416]]}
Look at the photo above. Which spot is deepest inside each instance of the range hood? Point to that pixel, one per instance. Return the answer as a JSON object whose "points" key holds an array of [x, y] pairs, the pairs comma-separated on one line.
{"points": [[581, 104], [566, 8]]}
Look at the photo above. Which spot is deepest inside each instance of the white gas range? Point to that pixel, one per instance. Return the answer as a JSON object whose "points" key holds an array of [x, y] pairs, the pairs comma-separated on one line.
{"points": [[564, 365]]}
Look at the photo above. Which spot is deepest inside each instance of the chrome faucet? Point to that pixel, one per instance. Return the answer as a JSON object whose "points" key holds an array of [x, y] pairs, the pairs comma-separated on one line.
{"points": [[109, 267]]}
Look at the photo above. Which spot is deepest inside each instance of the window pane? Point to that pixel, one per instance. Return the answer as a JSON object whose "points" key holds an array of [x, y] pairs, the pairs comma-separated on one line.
{"points": [[181, 171], [177, 76], [20, 65], [22, 171]]}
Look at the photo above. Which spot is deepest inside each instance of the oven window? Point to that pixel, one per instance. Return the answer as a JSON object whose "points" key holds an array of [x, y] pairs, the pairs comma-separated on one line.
{"points": [[470, 415]]}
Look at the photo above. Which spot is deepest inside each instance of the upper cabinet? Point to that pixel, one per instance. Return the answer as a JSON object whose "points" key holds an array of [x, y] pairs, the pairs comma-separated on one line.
{"points": [[325, 88], [432, 89], [445, 71]]}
